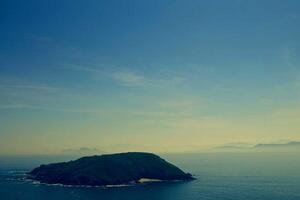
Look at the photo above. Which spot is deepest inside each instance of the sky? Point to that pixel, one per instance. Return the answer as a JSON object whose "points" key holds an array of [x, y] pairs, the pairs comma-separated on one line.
{"points": [[159, 75]]}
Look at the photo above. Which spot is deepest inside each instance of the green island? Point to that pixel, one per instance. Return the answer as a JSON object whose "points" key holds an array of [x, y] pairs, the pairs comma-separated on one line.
{"points": [[109, 169]]}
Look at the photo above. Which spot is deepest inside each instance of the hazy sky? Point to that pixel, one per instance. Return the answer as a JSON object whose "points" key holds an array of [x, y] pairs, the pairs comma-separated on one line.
{"points": [[157, 75]]}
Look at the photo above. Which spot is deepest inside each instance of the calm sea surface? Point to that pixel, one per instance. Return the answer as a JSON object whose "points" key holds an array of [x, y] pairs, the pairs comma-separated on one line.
{"points": [[223, 176]]}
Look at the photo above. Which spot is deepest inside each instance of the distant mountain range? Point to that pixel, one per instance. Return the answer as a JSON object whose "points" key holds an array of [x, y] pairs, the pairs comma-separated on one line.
{"points": [[292, 145], [288, 144]]}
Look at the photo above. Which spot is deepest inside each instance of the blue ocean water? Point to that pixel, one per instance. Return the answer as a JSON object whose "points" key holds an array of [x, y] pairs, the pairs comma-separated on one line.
{"points": [[222, 176]]}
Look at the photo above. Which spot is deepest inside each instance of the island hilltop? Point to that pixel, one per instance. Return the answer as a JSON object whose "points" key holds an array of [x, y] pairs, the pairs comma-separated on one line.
{"points": [[110, 169]]}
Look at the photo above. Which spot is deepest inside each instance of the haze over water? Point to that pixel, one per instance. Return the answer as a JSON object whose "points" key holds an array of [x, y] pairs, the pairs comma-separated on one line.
{"points": [[228, 176]]}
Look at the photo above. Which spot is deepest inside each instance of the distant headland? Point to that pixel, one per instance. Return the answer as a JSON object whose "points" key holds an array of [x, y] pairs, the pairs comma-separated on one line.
{"points": [[110, 169]]}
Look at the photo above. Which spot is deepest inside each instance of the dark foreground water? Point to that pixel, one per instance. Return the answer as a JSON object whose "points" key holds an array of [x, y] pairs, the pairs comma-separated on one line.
{"points": [[223, 176]]}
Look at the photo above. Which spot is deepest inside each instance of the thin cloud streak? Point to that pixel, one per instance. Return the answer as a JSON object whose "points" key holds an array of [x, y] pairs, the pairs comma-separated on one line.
{"points": [[128, 78], [33, 87], [45, 108], [131, 79]]}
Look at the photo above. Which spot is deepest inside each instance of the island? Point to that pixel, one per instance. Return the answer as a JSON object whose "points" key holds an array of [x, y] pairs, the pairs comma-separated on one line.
{"points": [[109, 169]]}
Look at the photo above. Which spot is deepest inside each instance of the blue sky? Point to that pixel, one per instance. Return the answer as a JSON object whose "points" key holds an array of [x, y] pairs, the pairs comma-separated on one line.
{"points": [[147, 75]]}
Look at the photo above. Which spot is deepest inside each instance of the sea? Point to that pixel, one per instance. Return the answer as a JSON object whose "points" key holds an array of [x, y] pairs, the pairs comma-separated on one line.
{"points": [[219, 176]]}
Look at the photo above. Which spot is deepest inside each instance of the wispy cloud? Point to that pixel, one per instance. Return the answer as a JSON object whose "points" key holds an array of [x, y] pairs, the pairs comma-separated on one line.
{"points": [[40, 38], [134, 79], [146, 113], [287, 55], [181, 104], [171, 108], [14, 83], [82, 151], [80, 68], [20, 94], [33, 87], [52, 109], [130, 78], [16, 106]]}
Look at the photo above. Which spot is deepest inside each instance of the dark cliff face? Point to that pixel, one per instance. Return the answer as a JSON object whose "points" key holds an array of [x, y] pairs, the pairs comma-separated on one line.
{"points": [[122, 168]]}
